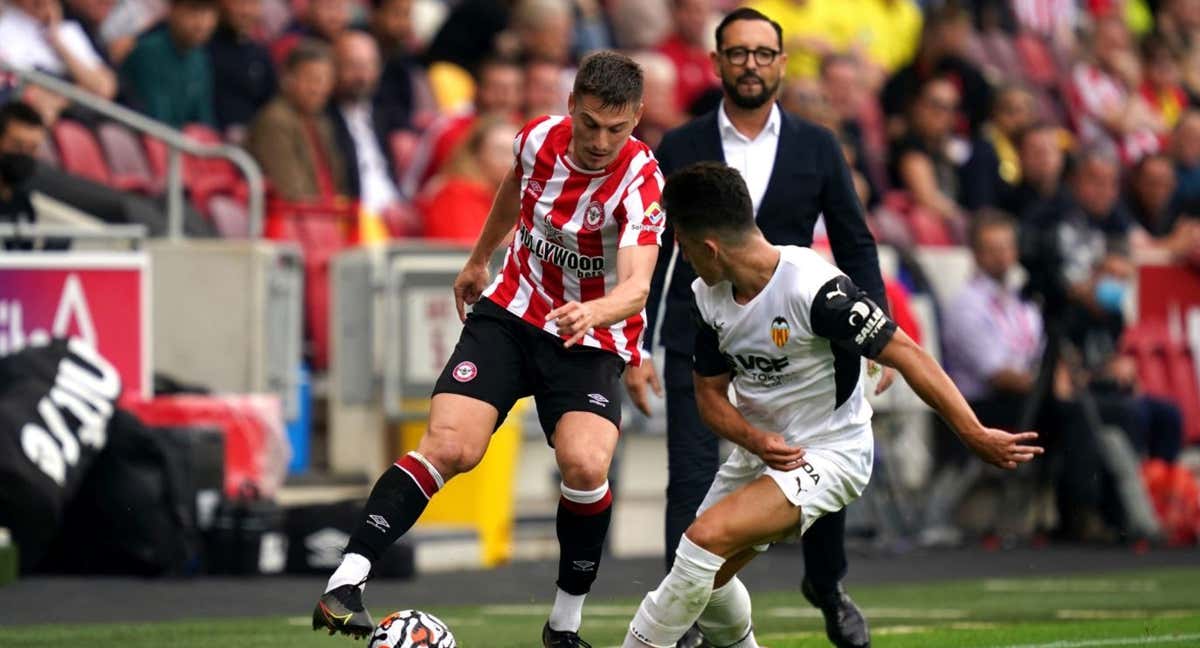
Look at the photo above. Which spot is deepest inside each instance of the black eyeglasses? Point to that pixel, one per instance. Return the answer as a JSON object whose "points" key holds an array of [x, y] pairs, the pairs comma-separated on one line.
{"points": [[763, 56]]}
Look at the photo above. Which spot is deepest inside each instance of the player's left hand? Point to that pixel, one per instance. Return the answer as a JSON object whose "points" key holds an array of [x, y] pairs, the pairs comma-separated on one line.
{"points": [[885, 379], [1003, 449], [574, 320]]}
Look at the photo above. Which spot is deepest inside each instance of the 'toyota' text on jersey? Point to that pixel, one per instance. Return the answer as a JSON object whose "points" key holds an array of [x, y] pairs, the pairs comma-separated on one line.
{"points": [[572, 223]]}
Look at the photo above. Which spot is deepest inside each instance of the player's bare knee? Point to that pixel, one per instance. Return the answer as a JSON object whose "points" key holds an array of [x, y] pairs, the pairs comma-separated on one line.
{"points": [[711, 535], [445, 449], [584, 471]]}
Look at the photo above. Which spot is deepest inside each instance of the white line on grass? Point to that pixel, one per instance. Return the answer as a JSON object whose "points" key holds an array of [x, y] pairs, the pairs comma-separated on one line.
{"points": [[1061, 585], [1120, 641]]}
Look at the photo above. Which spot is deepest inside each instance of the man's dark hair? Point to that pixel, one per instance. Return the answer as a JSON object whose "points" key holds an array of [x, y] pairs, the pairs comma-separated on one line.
{"points": [[611, 77], [746, 13], [708, 197], [20, 112], [196, 4], [831, 60], [1036, 127], [307, 51], [988, 218]]}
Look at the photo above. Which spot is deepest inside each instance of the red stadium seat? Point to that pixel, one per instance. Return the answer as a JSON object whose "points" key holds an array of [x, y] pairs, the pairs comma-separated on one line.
{"points": [[1166, 369], [156, 156], [125, 155], [230, 216], [206, 177], [79, 152]]}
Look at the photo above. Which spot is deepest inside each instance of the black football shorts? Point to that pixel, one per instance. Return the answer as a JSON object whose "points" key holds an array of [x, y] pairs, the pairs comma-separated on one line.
{"points": [[501, 358]]}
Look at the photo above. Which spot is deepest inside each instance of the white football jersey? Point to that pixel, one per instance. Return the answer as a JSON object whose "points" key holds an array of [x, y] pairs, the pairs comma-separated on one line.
{"points": [[796, 349]]}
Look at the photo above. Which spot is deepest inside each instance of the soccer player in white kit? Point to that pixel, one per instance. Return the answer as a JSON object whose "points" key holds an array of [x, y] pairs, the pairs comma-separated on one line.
{"points": [[790, 332]]}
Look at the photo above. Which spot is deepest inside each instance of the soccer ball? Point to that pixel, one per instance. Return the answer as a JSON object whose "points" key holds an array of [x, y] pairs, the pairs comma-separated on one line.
{"points": [[411, 629]]}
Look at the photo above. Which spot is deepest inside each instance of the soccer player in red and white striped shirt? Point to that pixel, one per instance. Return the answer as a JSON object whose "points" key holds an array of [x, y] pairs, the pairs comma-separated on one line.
{"points": [[560, 323]]}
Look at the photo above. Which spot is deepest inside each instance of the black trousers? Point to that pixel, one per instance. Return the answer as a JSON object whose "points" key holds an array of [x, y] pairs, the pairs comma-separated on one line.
{"points": [[692, 462]]}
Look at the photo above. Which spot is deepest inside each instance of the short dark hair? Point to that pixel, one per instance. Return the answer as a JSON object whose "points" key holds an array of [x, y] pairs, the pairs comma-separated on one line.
{"points": [[831, 60], [746, 13], [306, 51], [708, 197], [988, 218], [1036, 127], [615, 79], [20, 112], [195, 4]]}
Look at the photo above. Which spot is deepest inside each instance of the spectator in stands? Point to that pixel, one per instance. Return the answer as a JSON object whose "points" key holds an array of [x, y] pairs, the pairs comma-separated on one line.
{"points": [[323, 20], [887, 34], [1152, 184], [468, 37], [292, 137], [91, 14], [688, 47], [1042, 159], [844, 88], [659, 111], [543, 29], [544, 92], [1178, 25], [1107, 108], [242, 67], [998, 376], [1185, 150], [359, 123], [638, 24], [590, 28], [168, 74], [1160, 87], [34, 36], [994, 167], [21, 134], [403, 95], [456, 203], [942, 54], [926, 162], [498, 90], [810, 33], [127, 21]]}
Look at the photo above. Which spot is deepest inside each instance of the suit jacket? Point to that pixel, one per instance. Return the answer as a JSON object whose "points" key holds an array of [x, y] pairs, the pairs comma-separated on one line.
{"points": [[345, 143], [810, 177], [277, 139]]}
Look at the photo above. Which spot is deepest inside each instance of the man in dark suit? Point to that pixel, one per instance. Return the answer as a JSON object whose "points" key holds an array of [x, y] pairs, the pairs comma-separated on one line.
{"points": [[360, 123], [795, 172]]}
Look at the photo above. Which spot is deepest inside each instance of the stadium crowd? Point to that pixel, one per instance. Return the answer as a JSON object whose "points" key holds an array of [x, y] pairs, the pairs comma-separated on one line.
{"points": [[1063, 135]]}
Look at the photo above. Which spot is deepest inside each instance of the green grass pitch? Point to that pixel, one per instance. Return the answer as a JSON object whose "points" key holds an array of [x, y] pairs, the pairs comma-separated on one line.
{"points": [[1138, 608]]}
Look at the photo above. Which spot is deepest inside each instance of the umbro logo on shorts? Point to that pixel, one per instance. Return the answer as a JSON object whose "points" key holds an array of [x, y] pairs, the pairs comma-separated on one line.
{"points": [[598, 399], [584, 565], [465, 371]]}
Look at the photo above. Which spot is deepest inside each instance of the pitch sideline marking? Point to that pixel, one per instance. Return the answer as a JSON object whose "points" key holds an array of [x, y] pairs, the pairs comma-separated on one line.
{"points": [[1120, 641]]}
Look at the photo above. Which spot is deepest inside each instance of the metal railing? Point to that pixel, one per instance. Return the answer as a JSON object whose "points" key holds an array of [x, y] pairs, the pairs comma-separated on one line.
{"points": [[134, 234], [177, 145]]}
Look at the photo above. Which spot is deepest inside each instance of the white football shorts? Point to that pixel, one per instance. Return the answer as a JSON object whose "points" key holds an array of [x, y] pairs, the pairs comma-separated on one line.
{"points": [[836, 473]]}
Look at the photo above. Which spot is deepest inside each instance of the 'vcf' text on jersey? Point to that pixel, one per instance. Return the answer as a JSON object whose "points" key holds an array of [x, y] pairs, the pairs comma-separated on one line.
{"points": [[796, 349]]}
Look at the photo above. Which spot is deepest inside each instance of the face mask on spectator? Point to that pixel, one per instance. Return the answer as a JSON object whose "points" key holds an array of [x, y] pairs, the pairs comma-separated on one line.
{"points": [[1110, 293], [16, 168]]}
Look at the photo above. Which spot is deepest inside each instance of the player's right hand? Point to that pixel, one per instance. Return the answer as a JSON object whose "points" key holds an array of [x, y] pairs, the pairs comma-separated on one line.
{"points": [[636, 379], [1003, 449], [776, 453], [469, 285]]}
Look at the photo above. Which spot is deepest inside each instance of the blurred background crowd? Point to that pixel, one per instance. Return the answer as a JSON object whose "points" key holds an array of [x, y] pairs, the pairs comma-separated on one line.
{"points": [[1054, 139]]}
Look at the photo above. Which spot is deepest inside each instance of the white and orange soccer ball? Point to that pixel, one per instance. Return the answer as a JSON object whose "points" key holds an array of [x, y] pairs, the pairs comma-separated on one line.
{"points": [[411, 629]]}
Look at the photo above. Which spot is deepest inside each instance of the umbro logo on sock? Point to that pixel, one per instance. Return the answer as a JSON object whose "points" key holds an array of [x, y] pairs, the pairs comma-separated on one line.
{"points": [[379, 522], [584, 565], [597, 399]]}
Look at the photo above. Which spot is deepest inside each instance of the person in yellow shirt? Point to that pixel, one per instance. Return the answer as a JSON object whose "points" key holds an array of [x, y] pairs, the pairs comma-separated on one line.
{"points": [[811, 34]]}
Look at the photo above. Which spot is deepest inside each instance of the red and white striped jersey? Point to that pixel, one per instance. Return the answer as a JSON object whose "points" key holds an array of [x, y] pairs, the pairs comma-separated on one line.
{"points": [[572, 223]]}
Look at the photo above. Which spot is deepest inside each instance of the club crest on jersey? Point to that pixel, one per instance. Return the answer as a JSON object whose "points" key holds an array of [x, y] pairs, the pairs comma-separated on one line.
{"points": [[465, 371], [780, 331], [593, 217]]}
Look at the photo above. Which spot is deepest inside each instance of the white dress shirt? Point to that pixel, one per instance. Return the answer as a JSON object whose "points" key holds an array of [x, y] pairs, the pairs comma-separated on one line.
{"points": [[24, 45], [753, 158], [376, 188]]}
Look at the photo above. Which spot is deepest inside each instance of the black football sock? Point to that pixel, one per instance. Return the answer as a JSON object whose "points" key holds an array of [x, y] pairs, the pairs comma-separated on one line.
{"points": [[583, 518], [397, 500]]}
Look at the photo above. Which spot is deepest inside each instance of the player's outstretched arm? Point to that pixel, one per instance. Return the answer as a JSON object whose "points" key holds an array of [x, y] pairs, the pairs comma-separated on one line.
{"points": [[635, 267], [712, 399], [502, 218], [931, 383]]}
